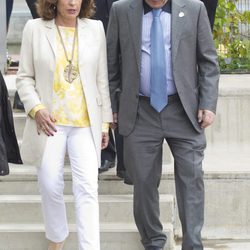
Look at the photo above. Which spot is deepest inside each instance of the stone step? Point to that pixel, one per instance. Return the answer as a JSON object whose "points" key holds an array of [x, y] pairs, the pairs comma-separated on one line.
{"points": [[227, 188], [26, 209], [223, 245], [114, 236], [227, 199], [220, 163], [23, 181]]}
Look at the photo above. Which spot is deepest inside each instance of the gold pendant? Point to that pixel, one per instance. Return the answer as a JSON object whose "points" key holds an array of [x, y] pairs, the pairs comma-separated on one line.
{"points": [[70, 73]]}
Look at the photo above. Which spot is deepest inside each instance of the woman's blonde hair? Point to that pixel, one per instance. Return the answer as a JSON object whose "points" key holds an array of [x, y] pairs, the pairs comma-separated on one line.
{"points": [[47, 10]]}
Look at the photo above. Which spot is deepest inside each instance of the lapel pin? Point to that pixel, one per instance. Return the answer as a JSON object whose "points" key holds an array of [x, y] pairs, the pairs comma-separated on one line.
{"points": [[181, 14]]}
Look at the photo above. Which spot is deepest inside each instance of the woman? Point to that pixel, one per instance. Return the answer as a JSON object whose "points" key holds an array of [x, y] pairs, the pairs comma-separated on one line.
{"points": [[62, 81], [9, 7], [9, 150]]}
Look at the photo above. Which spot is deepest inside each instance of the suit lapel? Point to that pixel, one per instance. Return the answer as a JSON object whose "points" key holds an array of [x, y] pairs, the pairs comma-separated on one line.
{"points": [[82, 37], [51, 34], [135, 24], [82, 47], [178, 23]]}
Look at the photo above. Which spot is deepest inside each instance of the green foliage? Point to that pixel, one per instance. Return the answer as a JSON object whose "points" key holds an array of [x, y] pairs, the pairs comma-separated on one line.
{"points": [[232, 46]]}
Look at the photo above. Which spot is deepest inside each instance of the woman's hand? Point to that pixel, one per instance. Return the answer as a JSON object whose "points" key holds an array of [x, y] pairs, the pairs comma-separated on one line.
{"points": [[45, 122], [113, 124], [105, 140]]}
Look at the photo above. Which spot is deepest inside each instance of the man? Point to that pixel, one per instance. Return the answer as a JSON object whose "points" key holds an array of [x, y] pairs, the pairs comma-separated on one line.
{"points": [[108, 154], [32, 6], [9, 7], [18, 105], [102, 11], [167, 88], [211, 6], [9, 150]]}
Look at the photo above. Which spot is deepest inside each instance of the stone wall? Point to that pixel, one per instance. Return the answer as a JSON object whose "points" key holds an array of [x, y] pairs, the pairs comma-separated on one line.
{"points": [[232, 121], [17, 22]]}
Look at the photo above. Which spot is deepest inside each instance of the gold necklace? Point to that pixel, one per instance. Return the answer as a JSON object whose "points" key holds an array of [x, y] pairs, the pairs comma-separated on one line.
{"points": [[70, 72]]}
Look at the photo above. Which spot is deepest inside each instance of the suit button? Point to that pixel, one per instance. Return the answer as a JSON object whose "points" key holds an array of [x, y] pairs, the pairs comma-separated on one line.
{"points": [[137, 96]]}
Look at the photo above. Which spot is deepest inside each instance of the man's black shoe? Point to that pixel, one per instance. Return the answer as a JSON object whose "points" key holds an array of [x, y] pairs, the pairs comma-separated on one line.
{"points": [[111, 164], [120, 174], [154, 248], [105, 165]]}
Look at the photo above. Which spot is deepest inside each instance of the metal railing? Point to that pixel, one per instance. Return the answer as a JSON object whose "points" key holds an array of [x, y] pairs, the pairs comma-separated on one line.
{"points": [[242, 6], [232, 35]]}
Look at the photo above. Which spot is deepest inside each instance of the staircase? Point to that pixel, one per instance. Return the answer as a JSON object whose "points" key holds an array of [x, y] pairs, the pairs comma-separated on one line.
{"points": [[22, 219], [21, 224]]}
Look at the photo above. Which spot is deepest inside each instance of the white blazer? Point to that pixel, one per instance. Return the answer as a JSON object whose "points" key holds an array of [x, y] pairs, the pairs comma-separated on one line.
{"points": [[36, 73]]}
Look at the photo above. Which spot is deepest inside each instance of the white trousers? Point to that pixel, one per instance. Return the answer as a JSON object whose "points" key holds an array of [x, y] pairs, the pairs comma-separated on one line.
{"points": [[84, 165]]}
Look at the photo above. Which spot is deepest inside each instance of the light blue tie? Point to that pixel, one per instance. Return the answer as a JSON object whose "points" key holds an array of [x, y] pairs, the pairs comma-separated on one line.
{"points": [[158, 85]]}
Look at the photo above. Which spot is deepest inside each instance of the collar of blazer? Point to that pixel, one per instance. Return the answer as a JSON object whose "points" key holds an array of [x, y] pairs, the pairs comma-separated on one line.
{"points": [[135, 21], [51, 32]]}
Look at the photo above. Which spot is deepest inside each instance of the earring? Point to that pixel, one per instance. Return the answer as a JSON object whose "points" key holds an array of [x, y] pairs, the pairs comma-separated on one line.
{"points": [[53, 7]]}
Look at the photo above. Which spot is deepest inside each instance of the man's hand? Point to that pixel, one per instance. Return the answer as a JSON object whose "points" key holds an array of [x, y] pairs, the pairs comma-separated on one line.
{"points": [[105, 139], [45, 122], [113, 124], [205, 117]]}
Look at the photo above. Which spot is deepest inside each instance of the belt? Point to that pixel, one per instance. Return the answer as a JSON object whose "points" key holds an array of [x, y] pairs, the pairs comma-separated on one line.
{"points": [[171, 98]]}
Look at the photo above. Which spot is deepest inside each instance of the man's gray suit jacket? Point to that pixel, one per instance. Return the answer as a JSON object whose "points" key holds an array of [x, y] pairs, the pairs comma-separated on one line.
{"points": [[194, 59]]}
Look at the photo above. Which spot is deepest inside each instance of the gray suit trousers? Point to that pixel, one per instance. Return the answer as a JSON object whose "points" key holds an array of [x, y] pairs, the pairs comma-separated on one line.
{"points": [[143, 161]]}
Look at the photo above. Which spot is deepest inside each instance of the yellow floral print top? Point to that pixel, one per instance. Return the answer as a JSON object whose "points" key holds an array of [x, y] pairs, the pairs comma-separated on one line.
{"points": [[69, 104]]}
